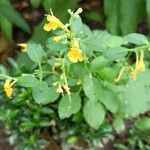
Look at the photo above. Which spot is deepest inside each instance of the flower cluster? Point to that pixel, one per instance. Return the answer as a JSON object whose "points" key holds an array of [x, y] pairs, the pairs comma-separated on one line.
{"points": [[75, 54], [139, 66]]}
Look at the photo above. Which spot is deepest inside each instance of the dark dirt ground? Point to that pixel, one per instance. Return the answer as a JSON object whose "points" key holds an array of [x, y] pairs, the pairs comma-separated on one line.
{"points": [[4, 144]]}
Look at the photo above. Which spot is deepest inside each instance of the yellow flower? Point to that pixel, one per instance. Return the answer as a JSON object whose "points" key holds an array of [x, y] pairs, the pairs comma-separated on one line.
{"points": [[23, 47], [139, 66], [54, 23], [8, 88], [120, 75], [57, 38], [67, 89], [75, 54], [59, 89]]}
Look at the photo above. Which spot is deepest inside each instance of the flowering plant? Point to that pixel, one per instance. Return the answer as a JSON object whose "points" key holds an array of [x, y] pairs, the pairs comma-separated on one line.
{"points": [[79, 71]]}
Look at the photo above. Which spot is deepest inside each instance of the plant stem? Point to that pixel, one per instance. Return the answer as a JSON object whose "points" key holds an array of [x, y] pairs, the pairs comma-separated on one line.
{"points": [[41, 73]]}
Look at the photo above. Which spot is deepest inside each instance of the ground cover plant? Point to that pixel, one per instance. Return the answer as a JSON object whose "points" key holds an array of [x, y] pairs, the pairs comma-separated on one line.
{"points": [[81, 83]]}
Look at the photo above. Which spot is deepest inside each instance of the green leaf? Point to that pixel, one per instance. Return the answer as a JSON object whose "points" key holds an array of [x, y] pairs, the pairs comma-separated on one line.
{"points": [[27, 80], [94, 114], [115, 41], [3, 70], [43, 94], [143, 123], [6, 27], [118, 124], [44, 123], [134, 99], [39, 34], [121, 17], [56, 47], [130, 15], [86, 30], [148, 12], [47, 110], [27, 125], [15, 70], [86, 51], [78, 70], [35, 3], [76, 25], [11, 14], [35, 52], [93, 41], [111, 10], [108, 96], [136, 38], [91, 87], [25, 63], [72, 140], [98, 63], [69, 105], [94, 16], [47, 4], [115, 53], [108, 74]]}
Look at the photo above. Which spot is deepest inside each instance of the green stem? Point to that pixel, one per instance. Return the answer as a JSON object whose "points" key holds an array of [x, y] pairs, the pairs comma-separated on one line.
{"points": [[41, 73], [3, 77], [45, 72], [65, 79], [143, 47]]}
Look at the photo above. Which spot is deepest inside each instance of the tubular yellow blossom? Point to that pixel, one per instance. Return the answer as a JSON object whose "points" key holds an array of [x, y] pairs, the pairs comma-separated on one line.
{"points": [[59, 89], [75, 54], [134, 74], [120, 75], [139, 67], [23, 47], [57, 38], [8, 88], [54, 23], [75, 44], [67, 89]]}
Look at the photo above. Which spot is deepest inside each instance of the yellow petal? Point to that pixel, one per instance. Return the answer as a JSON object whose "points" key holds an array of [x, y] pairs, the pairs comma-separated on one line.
{"points": [[71, 57], [75, 55], [7, 83], [120, 75], [80, 57], [55, 23], [8, 88], [134, 74], [141, 65], [23, 47], [75, 44], [57, 38], [48, 18], [47, 27]]}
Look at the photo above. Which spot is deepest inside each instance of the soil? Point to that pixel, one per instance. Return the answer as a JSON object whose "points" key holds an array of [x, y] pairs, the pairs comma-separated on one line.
{"points": [[4, 144]]}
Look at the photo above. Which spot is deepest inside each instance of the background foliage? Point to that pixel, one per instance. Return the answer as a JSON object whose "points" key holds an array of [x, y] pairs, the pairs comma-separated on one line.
{"points": [[34, 109]]}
